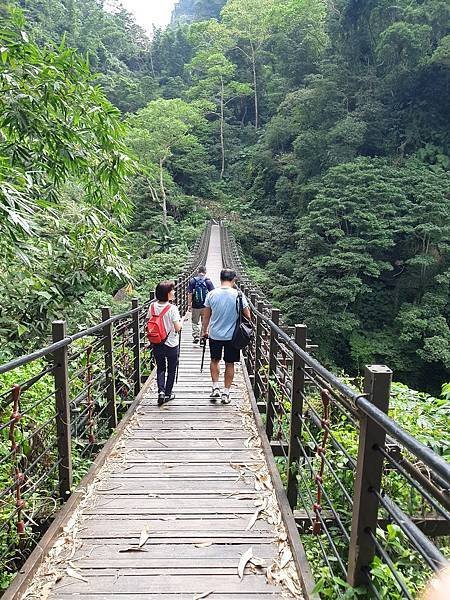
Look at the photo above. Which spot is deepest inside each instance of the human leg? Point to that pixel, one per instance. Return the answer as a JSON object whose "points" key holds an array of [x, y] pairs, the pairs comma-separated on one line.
{"points": [[231, 356], [215, 348], [172, 361], [229, 375], [160, 358], [197, 314]]}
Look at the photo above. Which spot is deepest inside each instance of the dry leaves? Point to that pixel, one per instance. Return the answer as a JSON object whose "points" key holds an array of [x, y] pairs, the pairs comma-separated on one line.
{"points": [[72, 573], [253, 519], [204, 595], [145, 534], [245, 558], [203, 544]]}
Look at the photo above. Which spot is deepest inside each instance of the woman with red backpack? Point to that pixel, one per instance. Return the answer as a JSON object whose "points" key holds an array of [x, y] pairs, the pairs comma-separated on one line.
{"points": [[163, 327]]}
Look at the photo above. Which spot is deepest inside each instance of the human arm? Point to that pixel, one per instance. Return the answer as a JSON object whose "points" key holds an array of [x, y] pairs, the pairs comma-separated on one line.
{"points": [[176, 319], [245, 308], [191, 288], [205, 321]]}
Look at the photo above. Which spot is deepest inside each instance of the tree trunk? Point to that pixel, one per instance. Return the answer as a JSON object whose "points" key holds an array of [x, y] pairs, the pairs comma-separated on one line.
{"points": [[255, 86], [222, 137], [163, 192]]}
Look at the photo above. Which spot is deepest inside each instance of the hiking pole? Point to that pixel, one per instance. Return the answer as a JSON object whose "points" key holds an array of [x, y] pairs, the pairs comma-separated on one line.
{"points": [[203, 354]]}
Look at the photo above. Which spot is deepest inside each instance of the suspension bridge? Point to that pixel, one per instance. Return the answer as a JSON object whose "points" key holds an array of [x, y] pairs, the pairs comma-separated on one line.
{"points": [[113, 496]]}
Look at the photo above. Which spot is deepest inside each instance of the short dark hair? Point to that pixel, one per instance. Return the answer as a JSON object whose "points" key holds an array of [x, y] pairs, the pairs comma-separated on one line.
{"points": [[202, 269], [163, 290], [227, 275]]}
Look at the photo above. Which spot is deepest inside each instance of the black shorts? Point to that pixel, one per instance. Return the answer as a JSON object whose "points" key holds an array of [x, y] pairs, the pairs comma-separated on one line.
{"points": [[230, 354]]}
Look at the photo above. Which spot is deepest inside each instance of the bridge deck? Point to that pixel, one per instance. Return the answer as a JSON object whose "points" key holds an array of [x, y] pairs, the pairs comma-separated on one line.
{"points": [[183, 495]]}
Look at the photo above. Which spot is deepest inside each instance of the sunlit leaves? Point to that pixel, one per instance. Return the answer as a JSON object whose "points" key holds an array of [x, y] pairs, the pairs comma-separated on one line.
{"points": [[54, 126]]}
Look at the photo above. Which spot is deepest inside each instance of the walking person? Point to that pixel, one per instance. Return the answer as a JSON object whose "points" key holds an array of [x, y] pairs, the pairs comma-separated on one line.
{"points": [[199, 286], [219, 322], [163, 328]]}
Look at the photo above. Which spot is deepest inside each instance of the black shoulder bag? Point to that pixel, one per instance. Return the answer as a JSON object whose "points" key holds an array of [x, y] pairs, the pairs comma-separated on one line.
{"points": [[243, 331]]}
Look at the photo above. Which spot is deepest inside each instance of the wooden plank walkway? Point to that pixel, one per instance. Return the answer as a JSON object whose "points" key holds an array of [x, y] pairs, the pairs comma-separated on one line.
{"points": [[184, 494]]}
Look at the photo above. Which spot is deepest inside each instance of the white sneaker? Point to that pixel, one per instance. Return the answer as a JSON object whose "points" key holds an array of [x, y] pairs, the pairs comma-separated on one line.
{"points": [[225, 398], [215, 394]]}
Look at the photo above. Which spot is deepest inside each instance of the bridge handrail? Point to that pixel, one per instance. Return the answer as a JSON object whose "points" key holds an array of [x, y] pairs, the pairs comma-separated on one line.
{"points": [[82, 384], [281, 369], [198, 255], [426, 455]]}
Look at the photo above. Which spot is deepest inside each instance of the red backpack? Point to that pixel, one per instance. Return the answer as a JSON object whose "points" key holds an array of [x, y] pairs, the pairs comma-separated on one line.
{"points": [[156, 331]]}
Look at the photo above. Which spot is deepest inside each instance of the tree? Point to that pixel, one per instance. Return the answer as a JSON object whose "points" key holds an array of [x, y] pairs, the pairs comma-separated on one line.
{"points": [[157, 132], [197, 10], [368, 260], [116, 47], [213, 74], [249, 22], [55, 127]]}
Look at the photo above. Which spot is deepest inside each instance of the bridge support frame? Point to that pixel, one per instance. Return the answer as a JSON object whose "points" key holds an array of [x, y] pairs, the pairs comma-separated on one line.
{"points": [[136, 347], [62, 400], [110, 389], [368, 478], [270, 410], [257, 384], [295, 431]]}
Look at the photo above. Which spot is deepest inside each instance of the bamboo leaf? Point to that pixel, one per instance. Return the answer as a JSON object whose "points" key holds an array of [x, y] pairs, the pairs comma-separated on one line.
{"points": [[245, 558], [72, 573], [203, 544], [145, 534], [253, 519], [204, 595]]}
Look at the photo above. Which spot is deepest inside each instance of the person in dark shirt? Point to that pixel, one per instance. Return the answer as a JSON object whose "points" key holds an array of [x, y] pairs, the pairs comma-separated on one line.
{"points": [[198, 288]]}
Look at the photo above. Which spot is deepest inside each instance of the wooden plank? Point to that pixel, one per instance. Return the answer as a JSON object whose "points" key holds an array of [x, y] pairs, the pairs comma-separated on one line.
{"points": [[25, 575], [177, 566], [87, 595], [245, 538], [172, 552], [298, 551], [192, 443], [161, 570], [177, 505], [185, 584], [99, 527]]}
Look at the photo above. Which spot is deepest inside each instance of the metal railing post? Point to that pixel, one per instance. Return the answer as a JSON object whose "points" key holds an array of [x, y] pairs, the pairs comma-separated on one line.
{"points": [[257, 383], [62, 401], [271, 396], [250, 357], [368, 478], [110, 390], [136, 347], [295, 431]]}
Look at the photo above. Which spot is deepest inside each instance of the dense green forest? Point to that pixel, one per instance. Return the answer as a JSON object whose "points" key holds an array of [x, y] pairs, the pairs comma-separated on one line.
{"points": [[322, 129], [318, 129]]}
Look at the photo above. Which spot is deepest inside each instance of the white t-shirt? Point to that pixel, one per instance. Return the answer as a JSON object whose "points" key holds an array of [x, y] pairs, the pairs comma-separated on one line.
{"points": [[171, 317]]}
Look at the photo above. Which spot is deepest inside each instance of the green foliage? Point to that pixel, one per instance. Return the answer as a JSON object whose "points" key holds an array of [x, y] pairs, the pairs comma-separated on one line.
{"points": [[197, 10], [116, 47], [54, 126], [163, 135], [369, 261]]}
